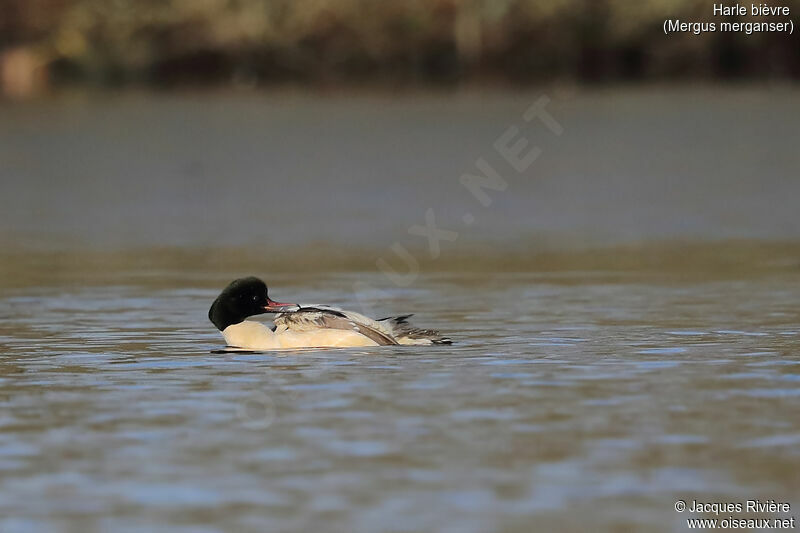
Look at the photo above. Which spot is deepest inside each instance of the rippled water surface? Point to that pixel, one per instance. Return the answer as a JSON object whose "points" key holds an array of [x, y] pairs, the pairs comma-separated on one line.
{"points": [[626, 312], [581, 400]]}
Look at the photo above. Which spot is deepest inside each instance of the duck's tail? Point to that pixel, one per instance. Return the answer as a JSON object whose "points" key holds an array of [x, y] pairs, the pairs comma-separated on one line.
{"points": [[405, 333]]}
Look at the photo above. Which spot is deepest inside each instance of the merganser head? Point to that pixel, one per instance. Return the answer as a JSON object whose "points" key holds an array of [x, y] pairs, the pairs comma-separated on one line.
{"points": [[243, 298]]}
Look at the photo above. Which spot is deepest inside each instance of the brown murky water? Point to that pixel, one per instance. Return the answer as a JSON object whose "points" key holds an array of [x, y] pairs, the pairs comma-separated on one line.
{"points": [[590, 387]]}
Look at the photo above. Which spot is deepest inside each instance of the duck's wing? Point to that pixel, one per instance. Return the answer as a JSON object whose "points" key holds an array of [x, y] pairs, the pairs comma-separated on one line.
{"points": [[389, 330], [405, 333], [314, 317]]}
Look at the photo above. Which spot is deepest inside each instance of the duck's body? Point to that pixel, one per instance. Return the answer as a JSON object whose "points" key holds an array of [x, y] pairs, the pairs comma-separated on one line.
{"points": [[305, 326], [252, 335]]}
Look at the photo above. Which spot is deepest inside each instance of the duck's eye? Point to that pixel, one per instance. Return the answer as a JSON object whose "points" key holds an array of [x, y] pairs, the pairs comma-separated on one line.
{"points": [[255, 297]]}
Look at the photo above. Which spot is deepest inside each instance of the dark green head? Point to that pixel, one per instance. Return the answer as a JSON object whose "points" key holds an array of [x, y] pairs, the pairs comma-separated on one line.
{"points": [[244, 297]]}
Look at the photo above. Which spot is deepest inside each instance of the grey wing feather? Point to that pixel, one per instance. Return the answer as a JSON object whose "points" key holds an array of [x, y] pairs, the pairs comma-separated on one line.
{"points": [[389, 330], [309, 318], [405, 333]]}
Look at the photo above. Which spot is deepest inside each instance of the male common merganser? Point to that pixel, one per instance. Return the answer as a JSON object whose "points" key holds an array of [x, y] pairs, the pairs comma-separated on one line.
{"points": [[304, 326]]}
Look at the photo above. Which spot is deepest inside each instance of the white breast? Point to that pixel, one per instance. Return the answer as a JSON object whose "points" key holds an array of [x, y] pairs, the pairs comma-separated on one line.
{"points": [[251, 335]]}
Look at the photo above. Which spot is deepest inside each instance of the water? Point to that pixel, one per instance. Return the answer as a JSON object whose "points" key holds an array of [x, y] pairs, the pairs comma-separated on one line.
{"points": [[579, 400], [590, 387], [283, 170]]}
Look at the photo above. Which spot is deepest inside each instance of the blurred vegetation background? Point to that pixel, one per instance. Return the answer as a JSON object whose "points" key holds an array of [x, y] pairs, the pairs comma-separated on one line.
{"points": [[47, 43]]}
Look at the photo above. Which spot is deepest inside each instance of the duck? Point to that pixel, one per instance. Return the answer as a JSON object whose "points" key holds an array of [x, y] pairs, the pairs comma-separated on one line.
{"points": [[305, 326]]}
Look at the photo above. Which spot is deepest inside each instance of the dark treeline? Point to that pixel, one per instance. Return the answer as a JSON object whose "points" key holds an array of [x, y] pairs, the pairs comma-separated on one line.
{"points": [[108, 42]]}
